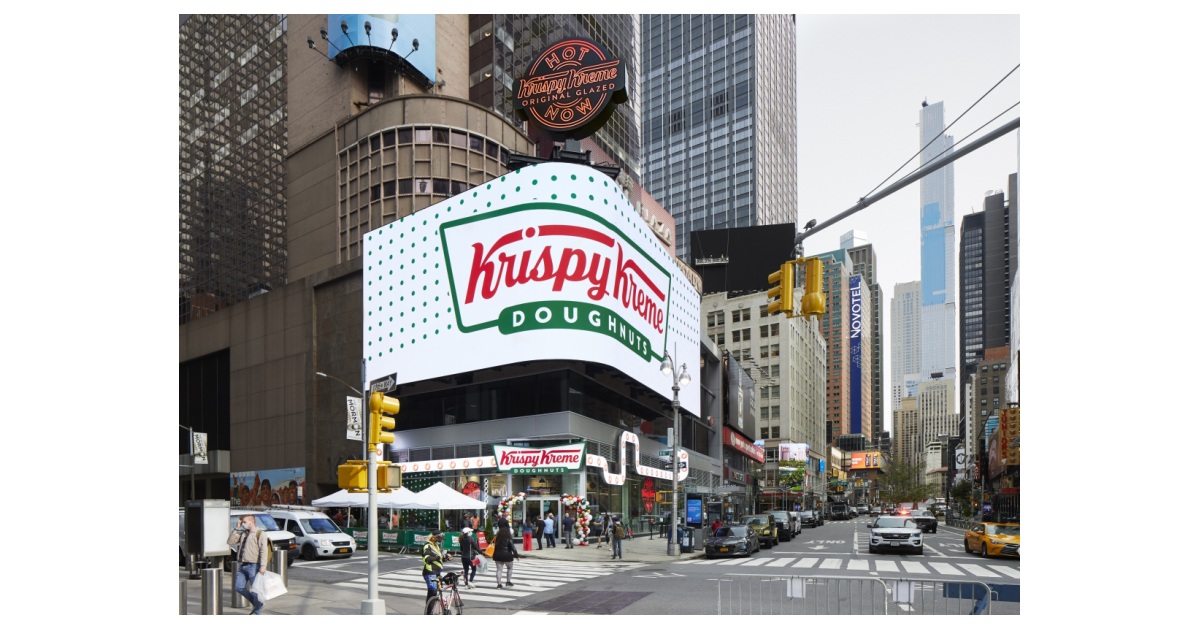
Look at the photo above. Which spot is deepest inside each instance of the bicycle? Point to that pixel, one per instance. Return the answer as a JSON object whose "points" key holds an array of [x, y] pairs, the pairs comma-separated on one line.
{"points": [[447, 596]]}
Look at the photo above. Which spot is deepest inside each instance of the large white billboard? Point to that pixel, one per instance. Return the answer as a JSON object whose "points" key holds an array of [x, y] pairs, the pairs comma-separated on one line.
{"points": [[549, 262]]}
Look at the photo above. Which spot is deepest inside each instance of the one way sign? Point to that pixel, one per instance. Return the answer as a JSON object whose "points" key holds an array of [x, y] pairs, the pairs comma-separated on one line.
{"points": [[384, 384]]}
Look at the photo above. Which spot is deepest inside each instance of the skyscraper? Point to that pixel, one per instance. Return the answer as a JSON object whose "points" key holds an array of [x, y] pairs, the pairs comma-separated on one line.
{"points": [[906, 339], [863, 255], [937, 246], [718, 119]]}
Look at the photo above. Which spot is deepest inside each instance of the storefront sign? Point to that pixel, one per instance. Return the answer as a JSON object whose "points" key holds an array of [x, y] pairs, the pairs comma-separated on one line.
{"points": [[743, 446], [549, 262], [540, 461], [571, 89]]}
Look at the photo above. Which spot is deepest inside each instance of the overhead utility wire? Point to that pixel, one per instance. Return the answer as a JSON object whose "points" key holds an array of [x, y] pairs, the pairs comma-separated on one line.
{"points": [[902, 166]]}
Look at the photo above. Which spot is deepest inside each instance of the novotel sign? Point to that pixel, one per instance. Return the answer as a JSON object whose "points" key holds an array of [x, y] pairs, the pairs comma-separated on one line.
{"points": [[547, 263], [571, 89], [539, 461], [856, 336]]}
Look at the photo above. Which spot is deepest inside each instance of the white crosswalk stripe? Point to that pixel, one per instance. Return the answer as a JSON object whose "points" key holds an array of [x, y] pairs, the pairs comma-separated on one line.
{"points": [[539, 576], [915, 567], [978, 571], [781, 562], [831, 563], [858, 565], [1011, 572], [806, 562], [944, 568], [886, 566]]}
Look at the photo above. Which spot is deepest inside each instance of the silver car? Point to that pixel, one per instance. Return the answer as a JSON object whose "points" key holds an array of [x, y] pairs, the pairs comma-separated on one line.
{"points": [[896, 533]]}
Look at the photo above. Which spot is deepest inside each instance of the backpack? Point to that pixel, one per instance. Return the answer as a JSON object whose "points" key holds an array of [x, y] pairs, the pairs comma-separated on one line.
{"points": [[619, 530]]}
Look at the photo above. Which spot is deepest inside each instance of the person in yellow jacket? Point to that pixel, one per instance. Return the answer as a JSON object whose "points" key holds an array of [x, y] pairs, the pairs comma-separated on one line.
{"points": [[432, 557]]}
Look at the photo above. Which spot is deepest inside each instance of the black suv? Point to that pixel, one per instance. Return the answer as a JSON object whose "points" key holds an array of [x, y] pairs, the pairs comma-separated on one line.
{"points": [[783, 525]]}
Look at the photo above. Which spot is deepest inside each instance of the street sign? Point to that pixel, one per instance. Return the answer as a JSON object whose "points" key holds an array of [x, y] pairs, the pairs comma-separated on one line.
{"points": [[666, 452], [384, 384]]}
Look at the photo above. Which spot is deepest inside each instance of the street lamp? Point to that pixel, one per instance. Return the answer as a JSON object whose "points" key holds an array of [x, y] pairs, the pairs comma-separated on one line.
{"points": [[361, 409], [680, 378]]}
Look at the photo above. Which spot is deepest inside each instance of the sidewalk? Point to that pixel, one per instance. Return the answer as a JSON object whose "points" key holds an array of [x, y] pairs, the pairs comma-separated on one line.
{"points": [[308, 598]]}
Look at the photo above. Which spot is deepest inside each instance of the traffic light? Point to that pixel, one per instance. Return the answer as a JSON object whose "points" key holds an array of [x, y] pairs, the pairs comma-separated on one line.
{"points": [[352, 476], [380, 405], [813, 302], [785, 280]]}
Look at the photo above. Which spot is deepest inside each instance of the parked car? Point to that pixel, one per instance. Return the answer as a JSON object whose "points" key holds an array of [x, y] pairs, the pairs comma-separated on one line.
{"points": [[731, 540], [863, 510], [926, 520], [764, 526], [876, 510], [993, 539], [783, 524], [808, 518], [896, 533], [316, 533], [839, 511]]}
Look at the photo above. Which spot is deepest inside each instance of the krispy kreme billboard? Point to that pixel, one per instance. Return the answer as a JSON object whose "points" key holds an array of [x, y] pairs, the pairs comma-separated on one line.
{"points": [[549, 262], [539, 461]]}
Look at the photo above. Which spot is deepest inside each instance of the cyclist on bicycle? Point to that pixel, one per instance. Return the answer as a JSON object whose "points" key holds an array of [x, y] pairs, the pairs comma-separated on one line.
{"points": [[432, 557]]}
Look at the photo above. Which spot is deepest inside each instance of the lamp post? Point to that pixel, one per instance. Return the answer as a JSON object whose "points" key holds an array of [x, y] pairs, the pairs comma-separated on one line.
{"points": [[679, 378], [360, 410]]}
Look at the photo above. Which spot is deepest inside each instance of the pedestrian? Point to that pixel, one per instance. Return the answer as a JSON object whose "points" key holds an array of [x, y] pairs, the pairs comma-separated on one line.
{"points": [[339, 518], [252, 549], [432, 557], [539, 527], [617, 536], [568, 524], [504, 554], [549, 533], [468, 545], [716, 524], [605, 531]]}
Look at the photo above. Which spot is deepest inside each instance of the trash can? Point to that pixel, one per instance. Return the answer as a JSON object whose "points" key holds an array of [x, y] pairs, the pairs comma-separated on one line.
{"points": [[528, 544], [686, 540]]}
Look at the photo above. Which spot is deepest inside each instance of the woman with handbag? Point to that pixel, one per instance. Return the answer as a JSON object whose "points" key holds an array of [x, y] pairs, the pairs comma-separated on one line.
{"points": [[505, 553]]}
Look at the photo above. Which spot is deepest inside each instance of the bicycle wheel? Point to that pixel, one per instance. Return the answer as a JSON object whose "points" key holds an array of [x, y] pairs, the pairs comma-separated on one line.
{"points": [[458, 604], [436, 605]]}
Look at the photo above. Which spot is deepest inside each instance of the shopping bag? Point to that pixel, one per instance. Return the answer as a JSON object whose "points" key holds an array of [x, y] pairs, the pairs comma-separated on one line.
{"points": [[475, 562], [268, 585], [484, 564], [490, 550]]}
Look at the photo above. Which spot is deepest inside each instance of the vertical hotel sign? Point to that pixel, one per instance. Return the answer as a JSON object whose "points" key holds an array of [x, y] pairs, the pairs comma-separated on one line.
{"points": [[571, 89], [856, 336], [1010, 431]]}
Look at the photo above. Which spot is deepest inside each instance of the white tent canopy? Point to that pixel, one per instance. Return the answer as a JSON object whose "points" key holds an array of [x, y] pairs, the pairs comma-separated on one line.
{"points": [[396, 499], [441, 496]]}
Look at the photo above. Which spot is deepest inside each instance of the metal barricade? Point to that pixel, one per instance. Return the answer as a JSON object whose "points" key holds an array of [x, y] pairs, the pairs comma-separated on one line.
{"points": [[797, 594]]}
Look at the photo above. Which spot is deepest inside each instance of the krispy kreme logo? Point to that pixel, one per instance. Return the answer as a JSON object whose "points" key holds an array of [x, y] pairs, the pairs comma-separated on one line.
{"points": [[571, 89], [551, 266], [539, 461]]}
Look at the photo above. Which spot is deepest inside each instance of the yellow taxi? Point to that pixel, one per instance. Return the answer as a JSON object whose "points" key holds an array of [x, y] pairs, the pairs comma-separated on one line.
{"points": [[764, 526], [993, 539]]}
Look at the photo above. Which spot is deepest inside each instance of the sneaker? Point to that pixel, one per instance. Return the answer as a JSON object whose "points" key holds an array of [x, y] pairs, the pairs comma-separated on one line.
{"points": [[499, 587], [509, 584]]}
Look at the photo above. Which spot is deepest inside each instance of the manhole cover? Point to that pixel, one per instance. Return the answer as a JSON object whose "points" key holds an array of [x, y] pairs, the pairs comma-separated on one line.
{"points": [[588, 602]]}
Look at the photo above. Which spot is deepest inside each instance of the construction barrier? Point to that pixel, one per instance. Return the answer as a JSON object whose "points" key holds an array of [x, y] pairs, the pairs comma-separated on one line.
{"points": [[800, 595]]}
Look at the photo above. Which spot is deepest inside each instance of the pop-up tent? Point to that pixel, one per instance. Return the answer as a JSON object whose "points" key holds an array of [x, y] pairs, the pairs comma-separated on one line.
{"points": [[396, 499], [441, 496]]}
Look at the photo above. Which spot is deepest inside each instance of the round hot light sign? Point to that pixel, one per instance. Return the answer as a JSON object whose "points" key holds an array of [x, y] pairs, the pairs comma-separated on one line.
{"points": [[570, 90]]}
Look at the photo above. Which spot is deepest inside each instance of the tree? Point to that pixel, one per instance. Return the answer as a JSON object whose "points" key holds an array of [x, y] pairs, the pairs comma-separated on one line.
{"points": [[903, 483]]}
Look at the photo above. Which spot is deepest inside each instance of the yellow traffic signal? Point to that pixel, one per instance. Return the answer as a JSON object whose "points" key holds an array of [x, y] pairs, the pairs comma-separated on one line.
{"points": [[813, 302], [380, 405], [352, 475], [785, 280]]}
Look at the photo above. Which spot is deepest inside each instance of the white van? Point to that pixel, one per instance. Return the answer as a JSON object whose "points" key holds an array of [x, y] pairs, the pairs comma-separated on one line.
{"points": [[316, 533]]}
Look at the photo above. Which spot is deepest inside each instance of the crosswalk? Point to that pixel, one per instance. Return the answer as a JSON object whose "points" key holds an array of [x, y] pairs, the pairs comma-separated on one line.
{"points": [[870, 565], [529, 577]]}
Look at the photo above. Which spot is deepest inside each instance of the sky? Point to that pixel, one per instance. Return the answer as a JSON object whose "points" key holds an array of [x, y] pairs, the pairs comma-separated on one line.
{"points": [[860, 83]]}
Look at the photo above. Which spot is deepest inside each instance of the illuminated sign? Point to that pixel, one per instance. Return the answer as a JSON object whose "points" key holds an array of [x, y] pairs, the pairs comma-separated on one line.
{"points": [[865, 460], [571, 89], [539, 461], [549, 262], [743, 446], [856, 372]]}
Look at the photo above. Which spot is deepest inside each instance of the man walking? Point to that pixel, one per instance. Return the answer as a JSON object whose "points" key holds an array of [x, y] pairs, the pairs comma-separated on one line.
{"points": [[539, 528], [549, 533], [252, 550]]}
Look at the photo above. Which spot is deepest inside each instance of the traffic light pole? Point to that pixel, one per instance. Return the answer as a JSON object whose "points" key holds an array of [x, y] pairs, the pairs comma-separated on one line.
{"points": [[372, 604], [928, 169]]}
